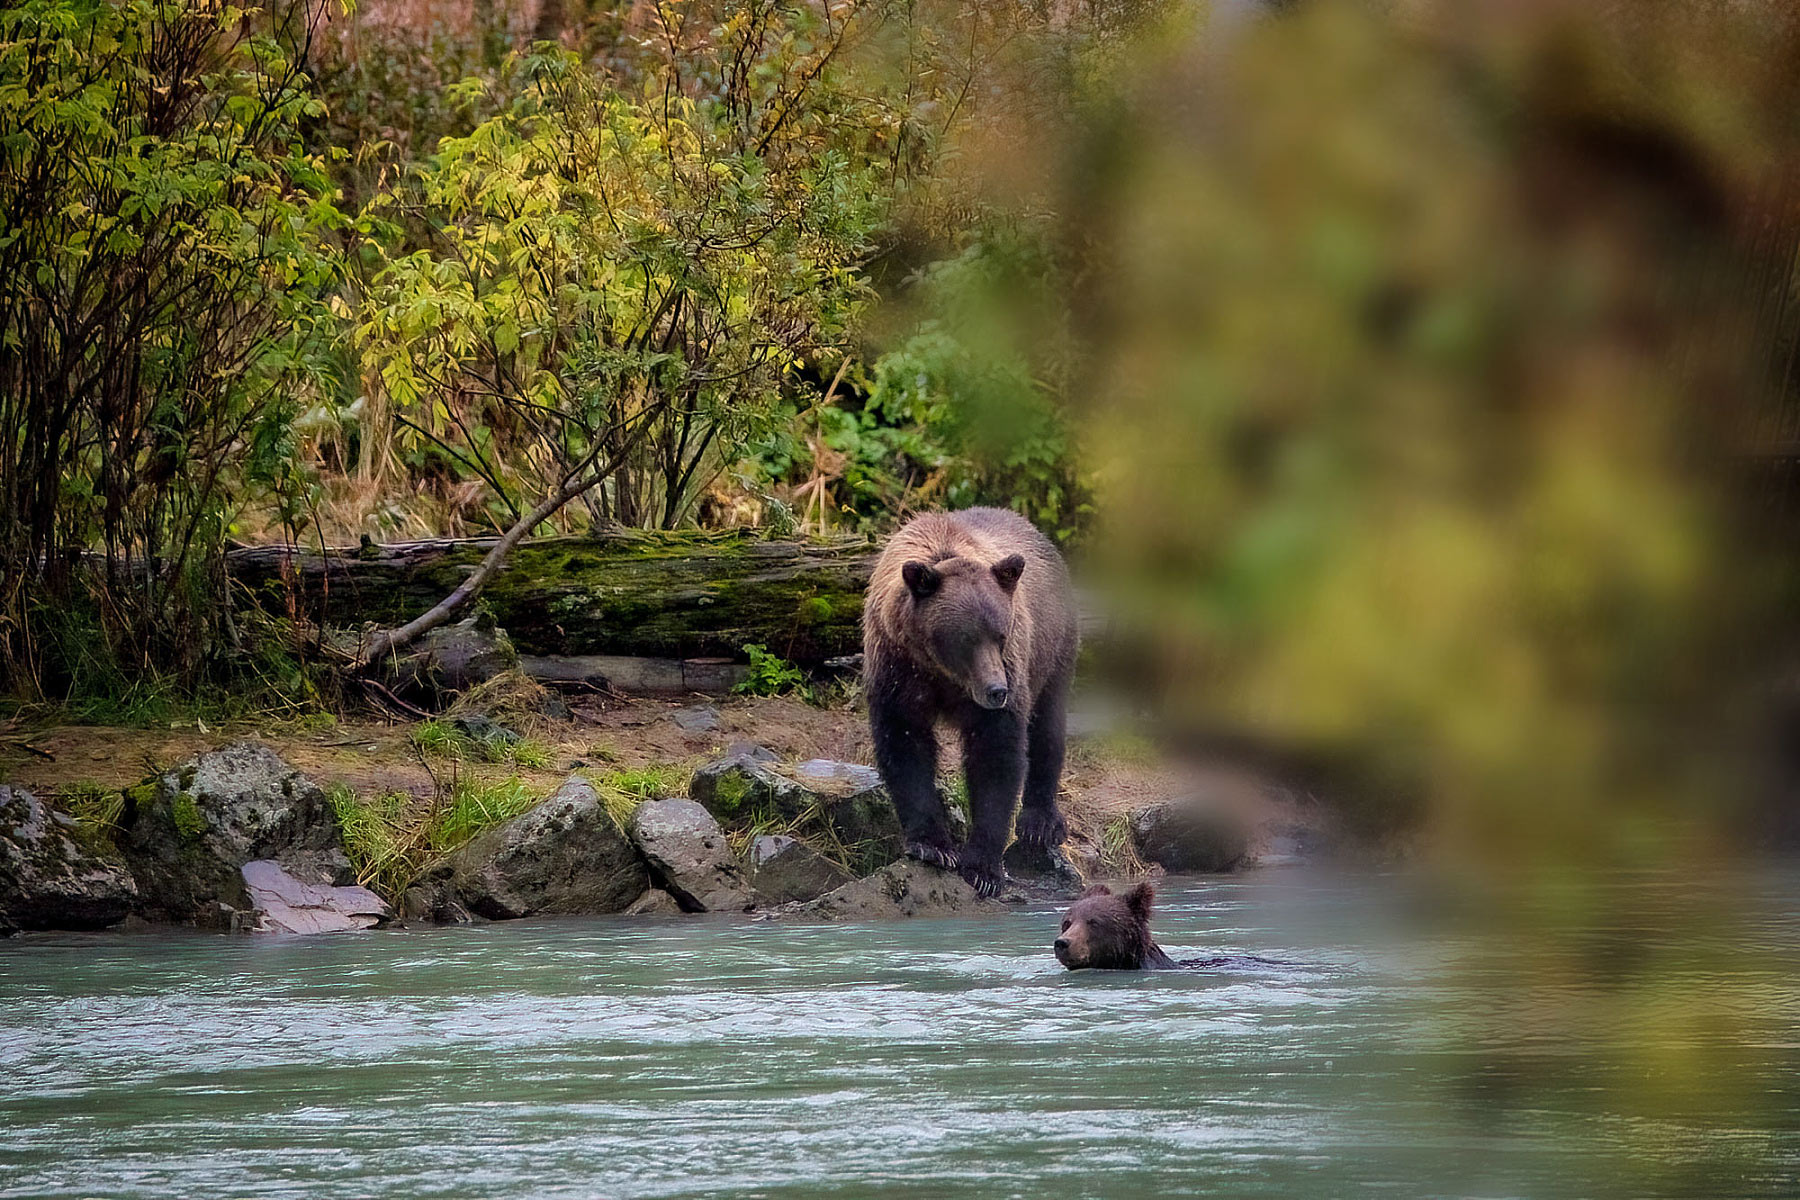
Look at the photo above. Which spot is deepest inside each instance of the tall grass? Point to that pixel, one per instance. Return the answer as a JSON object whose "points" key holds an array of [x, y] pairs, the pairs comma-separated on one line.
{"points": [[391, 837]]}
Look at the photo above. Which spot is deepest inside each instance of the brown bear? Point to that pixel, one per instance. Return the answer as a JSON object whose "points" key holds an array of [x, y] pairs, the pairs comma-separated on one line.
{"points": [[1111, 932], [970, 621]]}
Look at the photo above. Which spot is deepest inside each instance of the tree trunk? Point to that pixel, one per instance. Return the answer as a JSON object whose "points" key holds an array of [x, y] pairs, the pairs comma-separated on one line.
{"points": [[656, 595]]}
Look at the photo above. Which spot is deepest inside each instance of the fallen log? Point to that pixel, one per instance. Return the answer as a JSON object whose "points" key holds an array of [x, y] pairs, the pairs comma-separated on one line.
{"points": [[628, 594]]}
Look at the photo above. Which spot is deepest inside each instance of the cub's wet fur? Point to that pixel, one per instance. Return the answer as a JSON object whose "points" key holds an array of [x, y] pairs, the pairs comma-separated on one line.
{"points": [[1111, 932]]}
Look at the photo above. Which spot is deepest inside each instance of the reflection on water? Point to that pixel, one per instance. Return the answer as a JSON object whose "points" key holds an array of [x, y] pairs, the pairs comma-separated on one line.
{"points": [[1379, 1054]]}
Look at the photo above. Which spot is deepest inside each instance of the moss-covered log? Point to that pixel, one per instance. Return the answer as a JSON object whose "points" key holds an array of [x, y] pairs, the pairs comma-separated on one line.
{"points": [[654, 595]]}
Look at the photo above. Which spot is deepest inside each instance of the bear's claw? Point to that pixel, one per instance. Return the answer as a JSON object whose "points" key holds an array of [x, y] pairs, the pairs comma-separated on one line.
{"points": [[1042, 827], [987, 881], [937, 856]]}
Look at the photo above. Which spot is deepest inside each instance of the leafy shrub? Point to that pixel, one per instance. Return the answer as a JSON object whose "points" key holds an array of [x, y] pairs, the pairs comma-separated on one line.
{"points": [[770, 674], [164, 264]]}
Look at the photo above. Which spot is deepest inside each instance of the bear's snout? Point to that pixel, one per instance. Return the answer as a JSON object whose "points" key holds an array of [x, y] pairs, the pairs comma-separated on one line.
{"points": [[1071, 948], [995, 696]]}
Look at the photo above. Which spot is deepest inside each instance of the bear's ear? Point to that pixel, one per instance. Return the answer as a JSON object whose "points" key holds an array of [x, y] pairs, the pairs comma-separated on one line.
{"points": [[1008, 570], [1139, 899], [922, 579], [1098, 889]]}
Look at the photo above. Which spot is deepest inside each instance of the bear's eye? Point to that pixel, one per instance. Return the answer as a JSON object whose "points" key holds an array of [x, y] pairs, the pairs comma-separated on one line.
{"points": [[1065, 927]]}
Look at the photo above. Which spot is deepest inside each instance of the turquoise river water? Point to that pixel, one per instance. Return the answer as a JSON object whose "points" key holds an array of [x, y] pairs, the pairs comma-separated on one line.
{"points": [[1386, 1050]]}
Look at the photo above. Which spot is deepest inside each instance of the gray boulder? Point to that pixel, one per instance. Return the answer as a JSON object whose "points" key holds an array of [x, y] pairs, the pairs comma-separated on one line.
{"points": [[433, 900], [785, 869], [689, 857], [823, 800], [289, 905], [1191, 835], [654, 903], [1051, 871], [54, 874], [907, 888], [566, 855], [187, 834], [454, 658]]}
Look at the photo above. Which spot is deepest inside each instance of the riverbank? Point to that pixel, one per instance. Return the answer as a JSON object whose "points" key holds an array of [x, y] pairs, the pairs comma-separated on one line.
{"points": [[762, 804]]}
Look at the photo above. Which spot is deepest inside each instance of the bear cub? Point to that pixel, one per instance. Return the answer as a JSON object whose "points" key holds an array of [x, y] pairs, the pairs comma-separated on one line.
{"points": [[1111, 932], [970, 622]]}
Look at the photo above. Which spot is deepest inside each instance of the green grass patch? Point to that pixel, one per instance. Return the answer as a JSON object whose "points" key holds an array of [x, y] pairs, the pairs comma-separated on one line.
{"points": [[621, 791], [390, 837], [96, 807], [383, 836], [530, 752], [647, 783], [440, 738], [476, 805]]}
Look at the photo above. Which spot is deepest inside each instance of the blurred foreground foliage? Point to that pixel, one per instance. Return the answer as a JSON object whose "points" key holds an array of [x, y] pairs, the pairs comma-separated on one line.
{"points": [[1437, 366]]}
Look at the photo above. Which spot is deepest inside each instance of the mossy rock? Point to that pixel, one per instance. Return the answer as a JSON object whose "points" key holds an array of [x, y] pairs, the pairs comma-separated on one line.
{"points": [[187, 833]]}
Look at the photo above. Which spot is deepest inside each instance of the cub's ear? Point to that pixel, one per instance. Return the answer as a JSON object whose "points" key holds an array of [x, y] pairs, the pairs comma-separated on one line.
{"points": [[1008, 570], [922, 579], [1139, 899], [1098, 889]]}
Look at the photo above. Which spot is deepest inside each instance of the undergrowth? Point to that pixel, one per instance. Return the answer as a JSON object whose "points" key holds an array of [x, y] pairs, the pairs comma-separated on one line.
{"points": [[391, 836], [772, 675]]}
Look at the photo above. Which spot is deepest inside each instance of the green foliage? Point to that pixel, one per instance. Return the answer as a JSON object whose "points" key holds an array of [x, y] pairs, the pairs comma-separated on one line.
{"points": [[163, 273], [476, 805], [968, 409], [975, 395], [624, 279], [770, 674]]}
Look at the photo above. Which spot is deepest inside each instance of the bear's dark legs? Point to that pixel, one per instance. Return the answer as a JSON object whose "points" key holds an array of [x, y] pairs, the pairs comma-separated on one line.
{"points": [[994, 766], [1040, 820], [906, 755]]}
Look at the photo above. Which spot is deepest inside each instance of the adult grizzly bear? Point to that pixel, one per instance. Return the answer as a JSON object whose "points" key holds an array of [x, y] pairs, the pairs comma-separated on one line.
{"points": [[969, 620]]}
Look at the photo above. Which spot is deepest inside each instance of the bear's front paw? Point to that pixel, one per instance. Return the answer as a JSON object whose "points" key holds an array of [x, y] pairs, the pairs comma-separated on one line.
{"points": [[937, 856], [986, 878], [1042, 827]]}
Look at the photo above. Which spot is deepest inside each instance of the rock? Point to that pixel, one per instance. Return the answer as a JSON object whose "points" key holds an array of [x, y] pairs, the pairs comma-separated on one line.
{"points": [[187, 835], [483, 730], [907, 888], [688, 856], [454, 658], [654, 903], [751, 751], [832, 802], [435, 901], [1044, 871], [1190, 835], [52, 874], [785, 869], [836, 778], [290, 905], [566, 855], [701, 719]]}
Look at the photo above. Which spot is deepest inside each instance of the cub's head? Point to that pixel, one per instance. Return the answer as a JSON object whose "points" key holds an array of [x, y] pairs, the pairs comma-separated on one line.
{"points": [[962, 609], [1107, 931]]}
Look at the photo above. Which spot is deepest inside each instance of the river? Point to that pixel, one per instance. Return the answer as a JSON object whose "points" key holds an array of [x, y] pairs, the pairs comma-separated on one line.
{"points": [[1366, 1044]]}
